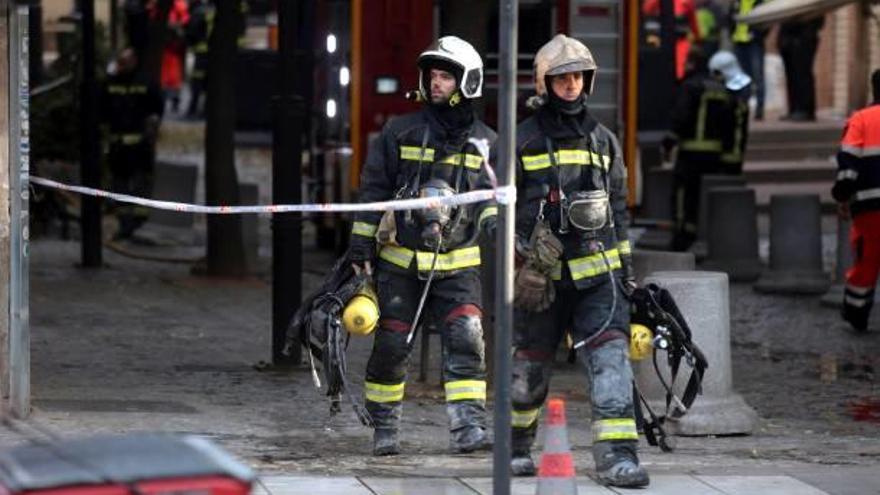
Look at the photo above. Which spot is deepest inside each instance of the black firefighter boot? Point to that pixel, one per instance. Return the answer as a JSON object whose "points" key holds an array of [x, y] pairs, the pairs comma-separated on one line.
{"points": [[385, 442], [467, 420], [521, 462], [386, 418], [617, 464]]}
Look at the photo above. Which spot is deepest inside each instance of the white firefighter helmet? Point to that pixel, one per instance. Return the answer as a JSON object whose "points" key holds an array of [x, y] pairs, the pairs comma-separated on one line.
{"points": [[459, 53], [726, 64], [561, 55]]}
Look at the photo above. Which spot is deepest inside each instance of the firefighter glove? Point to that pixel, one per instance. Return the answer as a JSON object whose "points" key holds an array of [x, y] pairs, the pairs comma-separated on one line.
{"points": [[545, 249], [362, 249], [533, 290]]}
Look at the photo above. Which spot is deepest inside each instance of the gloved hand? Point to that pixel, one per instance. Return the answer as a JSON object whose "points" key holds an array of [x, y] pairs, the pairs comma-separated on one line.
{"points": [[490, 227], [361, 249], [533, 291], [545, 251]]}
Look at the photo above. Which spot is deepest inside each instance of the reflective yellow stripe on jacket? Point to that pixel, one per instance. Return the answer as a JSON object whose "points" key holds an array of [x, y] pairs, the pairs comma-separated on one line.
{"points": [[624, 248], [470, 161], [700, 142], [489, 211], [414, 153], [365, 229], [128, 139], [524, 419], [591, 265], [566, 157], [615, 429], [453, 260], [465, 390], [377, 392], [127, 89]]}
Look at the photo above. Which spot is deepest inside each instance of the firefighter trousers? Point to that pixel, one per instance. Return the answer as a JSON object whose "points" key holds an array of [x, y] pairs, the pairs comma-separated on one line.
{"points": [[689, 170], [132, 169], [605, 361], [861, 278], [454, 300]]}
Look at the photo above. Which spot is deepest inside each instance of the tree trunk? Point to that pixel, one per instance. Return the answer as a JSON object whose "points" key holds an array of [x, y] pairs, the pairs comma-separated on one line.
{"points": [[225, 256]]}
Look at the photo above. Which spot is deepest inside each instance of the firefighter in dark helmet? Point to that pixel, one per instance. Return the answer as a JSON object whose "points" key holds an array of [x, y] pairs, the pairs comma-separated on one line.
{"points": [[435, 251]]}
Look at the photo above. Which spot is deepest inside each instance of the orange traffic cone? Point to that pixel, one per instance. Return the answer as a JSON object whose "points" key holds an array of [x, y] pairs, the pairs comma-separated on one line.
{"points": [[556, 470]]}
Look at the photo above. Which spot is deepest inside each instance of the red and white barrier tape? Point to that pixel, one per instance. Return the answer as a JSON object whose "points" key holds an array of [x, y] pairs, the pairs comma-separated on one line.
{"points": [[503, 195]]}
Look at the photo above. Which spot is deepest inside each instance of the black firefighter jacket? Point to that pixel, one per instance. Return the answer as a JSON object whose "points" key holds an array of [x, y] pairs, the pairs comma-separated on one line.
{"points": [[419, 145], [587, 157]]}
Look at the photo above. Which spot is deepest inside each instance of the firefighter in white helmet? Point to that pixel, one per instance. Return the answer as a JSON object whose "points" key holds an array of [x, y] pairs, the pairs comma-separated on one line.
{"points": [[574, 264], [433, 252]]}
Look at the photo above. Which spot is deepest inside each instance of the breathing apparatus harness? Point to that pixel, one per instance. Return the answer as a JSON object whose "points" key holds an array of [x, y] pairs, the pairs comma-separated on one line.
{"points": [[589, 211], [437, 223], [318, 325], [655, 308]]}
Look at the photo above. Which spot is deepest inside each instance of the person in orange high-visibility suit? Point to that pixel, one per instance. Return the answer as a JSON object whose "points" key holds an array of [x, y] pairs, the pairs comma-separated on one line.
{"points": [[687, 29], [857, 191], [174, 53]]}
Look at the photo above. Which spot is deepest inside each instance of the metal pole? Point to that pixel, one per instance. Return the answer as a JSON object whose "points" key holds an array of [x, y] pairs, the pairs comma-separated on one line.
{"points": [[90, 167], [287, 181], [508, 13], [19, 146]]}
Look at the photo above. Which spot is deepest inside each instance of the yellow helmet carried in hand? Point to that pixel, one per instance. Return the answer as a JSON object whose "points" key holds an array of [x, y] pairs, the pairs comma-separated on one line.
{"points": [[361, 314], [640, 338]]}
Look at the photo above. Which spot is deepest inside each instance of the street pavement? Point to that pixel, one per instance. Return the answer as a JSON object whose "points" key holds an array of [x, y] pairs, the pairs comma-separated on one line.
{"points": [[144, 345]]}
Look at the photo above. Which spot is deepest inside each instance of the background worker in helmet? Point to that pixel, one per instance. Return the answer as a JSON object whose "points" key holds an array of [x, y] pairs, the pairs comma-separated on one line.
{"points": [[857, 190], [428, 153], [574, 263], [701, 118], [725, 67], [130, 107]]}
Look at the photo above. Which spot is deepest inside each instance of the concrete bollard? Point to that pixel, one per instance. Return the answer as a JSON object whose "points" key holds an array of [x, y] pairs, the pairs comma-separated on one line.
{"points": [[733, 234], [647, 262], [795, 247], [707, 183], [657, 206], [174, 182], [703, 299], [658, 191]]}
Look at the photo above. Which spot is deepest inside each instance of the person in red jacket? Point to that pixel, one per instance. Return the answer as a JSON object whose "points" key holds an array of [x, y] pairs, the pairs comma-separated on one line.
{"points": [[857, 191], [687, 29], [174, 53]]}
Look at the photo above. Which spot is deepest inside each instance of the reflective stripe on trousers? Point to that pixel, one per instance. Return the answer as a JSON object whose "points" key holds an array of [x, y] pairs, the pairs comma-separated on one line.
{"points": [[524, 419], [465, 390], [615, 429], [377, 392]]}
